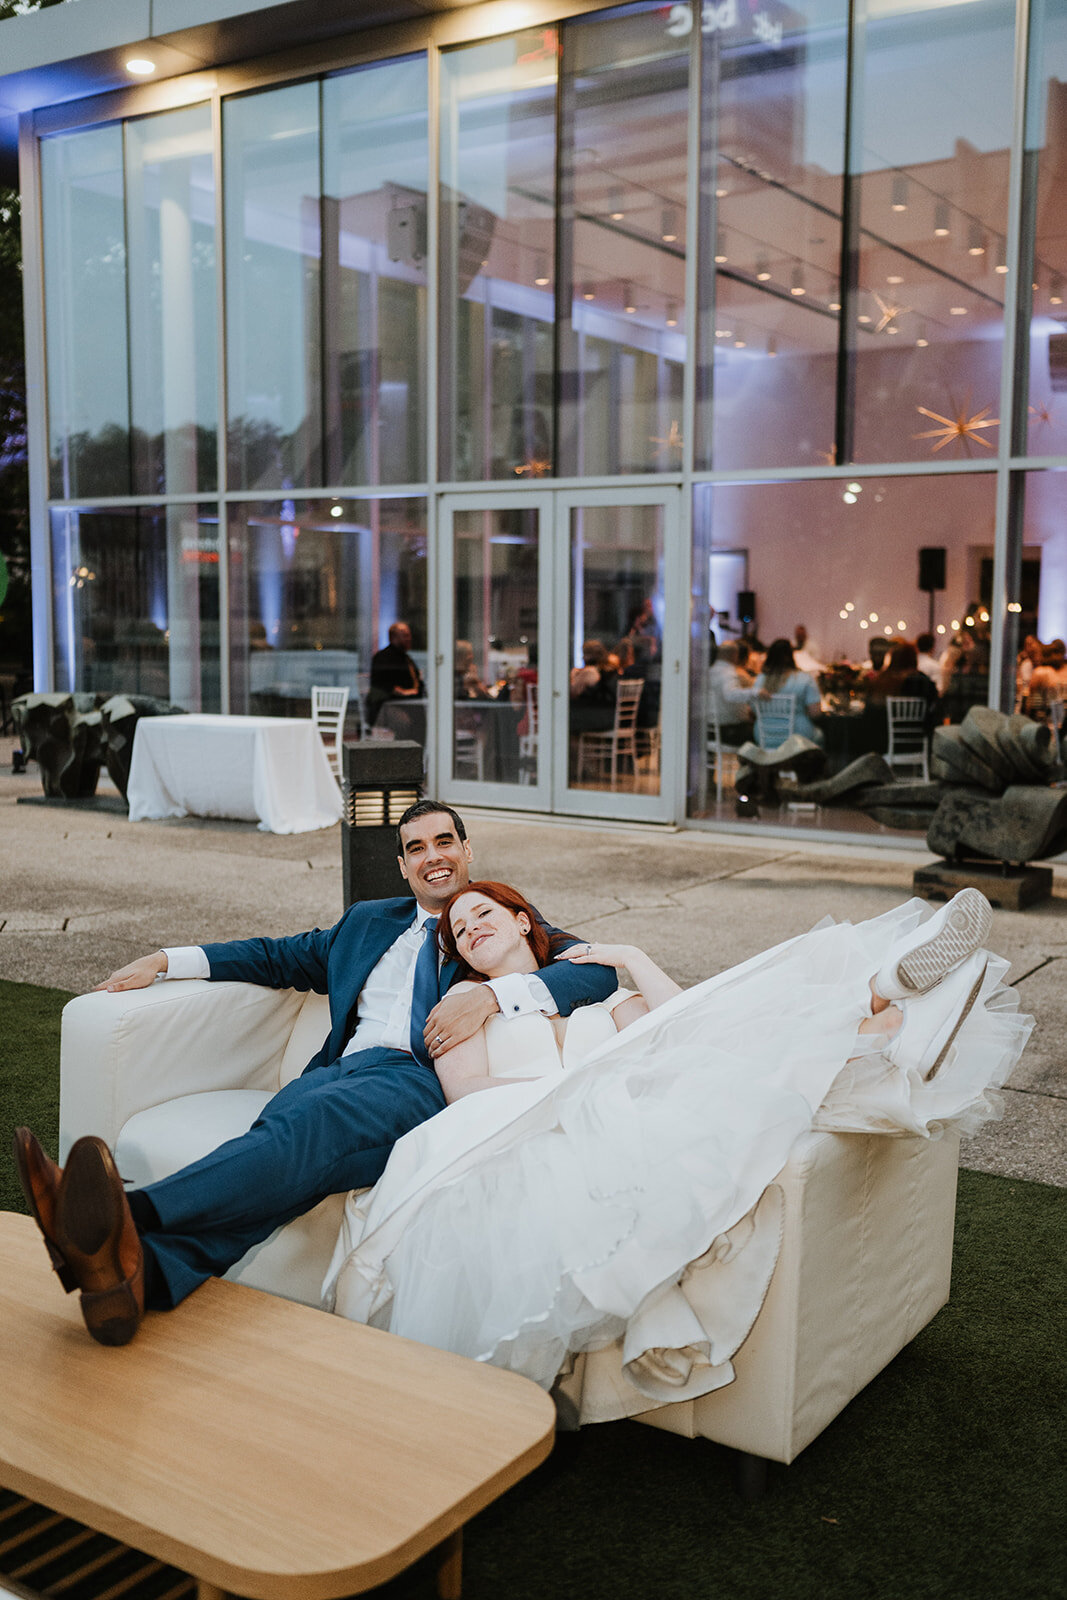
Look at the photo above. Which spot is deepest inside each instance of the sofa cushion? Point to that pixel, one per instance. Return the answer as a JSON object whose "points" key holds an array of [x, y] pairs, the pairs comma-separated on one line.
{"points": [[155, 1143], [311, 1029]]}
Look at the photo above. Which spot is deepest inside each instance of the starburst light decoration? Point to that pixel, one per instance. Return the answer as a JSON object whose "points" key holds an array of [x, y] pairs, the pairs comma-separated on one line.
{"points": [[890, 313], [673, 441], [829, 456], [963, 427], [534, 467], [1042, 414]]}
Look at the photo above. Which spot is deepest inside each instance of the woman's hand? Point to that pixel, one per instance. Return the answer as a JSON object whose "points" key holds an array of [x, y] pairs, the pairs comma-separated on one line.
{"points": [[600, 955], [653, 982]]}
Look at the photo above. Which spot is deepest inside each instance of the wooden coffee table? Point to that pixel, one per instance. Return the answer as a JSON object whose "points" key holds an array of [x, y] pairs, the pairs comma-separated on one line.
{"points": [[266, 1448]]}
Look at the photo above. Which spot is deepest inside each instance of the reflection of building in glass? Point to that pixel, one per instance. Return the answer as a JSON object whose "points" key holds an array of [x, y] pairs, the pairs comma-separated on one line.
{"points": [[715, 312]]}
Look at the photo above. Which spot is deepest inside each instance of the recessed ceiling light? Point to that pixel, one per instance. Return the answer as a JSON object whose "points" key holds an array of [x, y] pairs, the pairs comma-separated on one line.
{"points": [[894, 277], [140, 66], [957, 311]]}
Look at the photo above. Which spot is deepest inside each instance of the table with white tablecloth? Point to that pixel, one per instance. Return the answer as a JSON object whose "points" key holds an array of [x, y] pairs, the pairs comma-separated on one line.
{"points": [[269, 770]]}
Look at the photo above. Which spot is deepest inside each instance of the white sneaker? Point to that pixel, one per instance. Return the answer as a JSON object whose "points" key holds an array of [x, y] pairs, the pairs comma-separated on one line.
{"points": [[932, 1021], [936, 947]]}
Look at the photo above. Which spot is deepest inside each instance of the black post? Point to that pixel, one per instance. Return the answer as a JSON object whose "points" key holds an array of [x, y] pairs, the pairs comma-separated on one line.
{"points": [[381, 778]]}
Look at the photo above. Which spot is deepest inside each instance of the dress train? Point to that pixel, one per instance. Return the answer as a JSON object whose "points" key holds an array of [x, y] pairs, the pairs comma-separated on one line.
{"points": [[631, 1199]]}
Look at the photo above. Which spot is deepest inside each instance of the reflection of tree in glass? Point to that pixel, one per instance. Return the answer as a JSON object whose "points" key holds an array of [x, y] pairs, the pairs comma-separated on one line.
{"points": [[262, 457]]}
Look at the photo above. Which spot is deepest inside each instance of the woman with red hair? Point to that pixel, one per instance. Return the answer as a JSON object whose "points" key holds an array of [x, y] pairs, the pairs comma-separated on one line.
{"points": [[635, 1143]]}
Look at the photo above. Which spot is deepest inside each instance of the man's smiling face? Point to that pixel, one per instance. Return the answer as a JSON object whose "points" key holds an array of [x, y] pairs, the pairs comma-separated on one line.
{"points": [[435, 861]]}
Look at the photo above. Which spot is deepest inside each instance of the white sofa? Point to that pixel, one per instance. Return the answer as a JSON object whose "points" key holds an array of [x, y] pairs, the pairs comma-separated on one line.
{"points": [[166, 1074]]}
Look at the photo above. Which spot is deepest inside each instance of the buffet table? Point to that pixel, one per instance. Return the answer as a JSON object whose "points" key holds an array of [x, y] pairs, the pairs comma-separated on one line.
{"points": [[269, 770]]}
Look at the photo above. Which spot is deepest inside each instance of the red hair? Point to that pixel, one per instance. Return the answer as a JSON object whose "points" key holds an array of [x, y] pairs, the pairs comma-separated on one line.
{"points": [[540, 941]]}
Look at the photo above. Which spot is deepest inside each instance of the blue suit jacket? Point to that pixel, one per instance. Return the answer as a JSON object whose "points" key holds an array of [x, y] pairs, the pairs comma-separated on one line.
{"points": [[337, 962]]}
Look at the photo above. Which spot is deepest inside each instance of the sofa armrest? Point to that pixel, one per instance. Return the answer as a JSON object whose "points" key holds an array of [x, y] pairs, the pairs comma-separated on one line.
{"points": [[121, 1053]]}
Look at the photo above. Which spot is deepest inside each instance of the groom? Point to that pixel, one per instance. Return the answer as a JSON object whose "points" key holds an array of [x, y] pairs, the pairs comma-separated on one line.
{"points": [[327, 1131]]}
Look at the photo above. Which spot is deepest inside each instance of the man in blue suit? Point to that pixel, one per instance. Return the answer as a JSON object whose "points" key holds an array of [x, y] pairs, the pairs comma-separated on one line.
{"points": [[329, 1130]]}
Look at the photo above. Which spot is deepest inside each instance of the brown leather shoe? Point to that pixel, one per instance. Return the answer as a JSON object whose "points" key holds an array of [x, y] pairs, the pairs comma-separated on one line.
{"points": [[96, 1234], [40, 1179]]}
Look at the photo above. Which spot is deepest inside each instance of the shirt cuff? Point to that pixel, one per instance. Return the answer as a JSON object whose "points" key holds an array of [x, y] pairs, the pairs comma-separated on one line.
{"points": [[522, 994], [186, 961]]}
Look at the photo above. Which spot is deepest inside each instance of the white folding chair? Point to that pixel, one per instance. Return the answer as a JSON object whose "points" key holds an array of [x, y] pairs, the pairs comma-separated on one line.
{"points": [[468, 754], [620, 740], [328, 707], [528, 740], [720, 752], [775, 719], [906, 719]]}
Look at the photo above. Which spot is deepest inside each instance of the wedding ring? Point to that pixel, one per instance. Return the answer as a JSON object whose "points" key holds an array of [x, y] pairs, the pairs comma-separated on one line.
{"points": [[440, 1036]]}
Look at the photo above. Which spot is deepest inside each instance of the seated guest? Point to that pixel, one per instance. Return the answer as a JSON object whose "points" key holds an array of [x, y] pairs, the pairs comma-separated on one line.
{"points": [[592, 690], [393, 674], [781, 675], [1030, 656], [466, 683], [901, 677], [928, 662], [876, 660], [965, 673], [803, 654], [730, 696], [1048, 682]]}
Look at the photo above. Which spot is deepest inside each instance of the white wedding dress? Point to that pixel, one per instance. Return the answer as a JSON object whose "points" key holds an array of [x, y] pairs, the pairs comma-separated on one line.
{"points": [[623, 1196]]}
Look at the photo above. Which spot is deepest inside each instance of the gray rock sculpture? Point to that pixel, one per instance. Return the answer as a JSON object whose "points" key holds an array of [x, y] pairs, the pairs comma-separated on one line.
{"points": [[867, 772], [120, 716], [1022, 824], [992, 796], [760, 768], [64, 735]]}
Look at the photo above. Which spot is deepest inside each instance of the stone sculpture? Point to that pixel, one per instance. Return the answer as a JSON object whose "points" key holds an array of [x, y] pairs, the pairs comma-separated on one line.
{"points": [[71, 736], [120, 716], [64, 734]]}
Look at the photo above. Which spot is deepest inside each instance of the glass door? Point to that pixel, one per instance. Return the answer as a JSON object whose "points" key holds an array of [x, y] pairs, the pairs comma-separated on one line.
{"points": [[620, 637], [495, 594], [558, 683]]}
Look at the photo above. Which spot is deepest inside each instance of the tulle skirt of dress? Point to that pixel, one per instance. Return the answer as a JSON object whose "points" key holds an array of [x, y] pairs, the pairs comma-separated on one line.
{"points": [[526, 1223]]}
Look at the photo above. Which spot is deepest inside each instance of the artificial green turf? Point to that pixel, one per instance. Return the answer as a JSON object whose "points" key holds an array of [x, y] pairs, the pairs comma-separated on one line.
{"points": [[943, 1480], [29, 1074]]}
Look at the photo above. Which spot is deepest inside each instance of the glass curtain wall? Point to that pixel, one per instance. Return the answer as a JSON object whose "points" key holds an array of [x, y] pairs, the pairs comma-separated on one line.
{"points": [[498, 257], [314, 587], [624, 114], [1041, 661], [872, 567], [773, 97], [375, 180], [271, 189], [933, 112], [129, 253], [853, 271], [170, 233], [135, 602], [84, 225], [1046, 170]]}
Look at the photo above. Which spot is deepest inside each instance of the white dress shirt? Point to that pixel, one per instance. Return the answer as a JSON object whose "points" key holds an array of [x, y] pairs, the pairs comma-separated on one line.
{"points": [[384, 1005]]}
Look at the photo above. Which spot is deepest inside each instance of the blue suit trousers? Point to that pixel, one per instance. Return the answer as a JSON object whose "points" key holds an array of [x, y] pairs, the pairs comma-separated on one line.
{"points": [[330, 1130]]}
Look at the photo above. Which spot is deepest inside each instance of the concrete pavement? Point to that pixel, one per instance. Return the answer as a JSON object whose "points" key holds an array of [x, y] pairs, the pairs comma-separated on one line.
{"points": [[83, 891]]}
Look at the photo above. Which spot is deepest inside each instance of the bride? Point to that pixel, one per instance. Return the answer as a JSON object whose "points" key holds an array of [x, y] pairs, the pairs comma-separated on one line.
{"points": [[638, 1138]]}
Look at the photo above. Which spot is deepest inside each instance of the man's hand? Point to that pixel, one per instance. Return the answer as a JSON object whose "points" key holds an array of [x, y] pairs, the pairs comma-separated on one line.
{"points": [[458, 1017], [140, 974]]}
